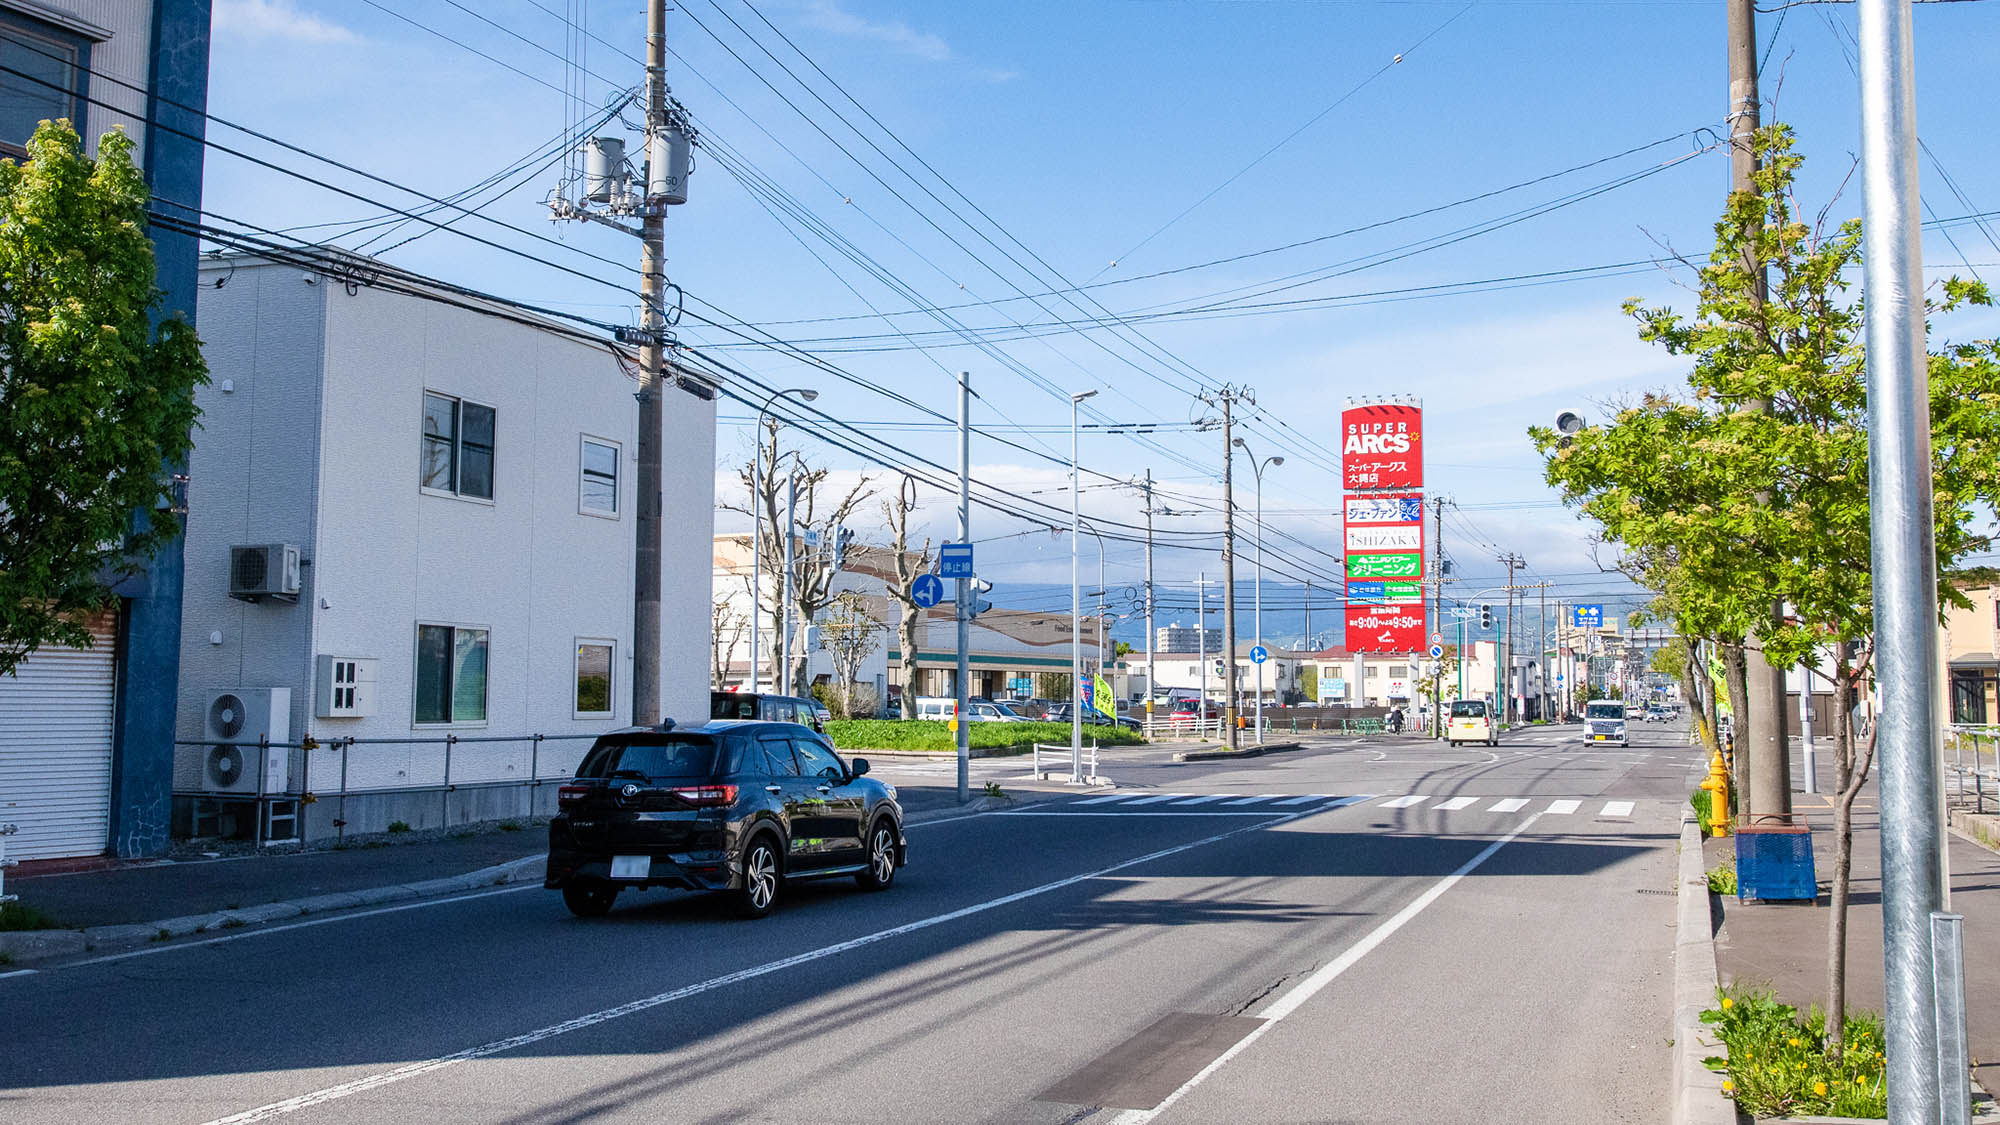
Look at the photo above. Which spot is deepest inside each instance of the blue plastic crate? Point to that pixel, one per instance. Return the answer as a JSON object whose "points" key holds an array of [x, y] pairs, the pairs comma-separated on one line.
{"points": [[1774, 863]]}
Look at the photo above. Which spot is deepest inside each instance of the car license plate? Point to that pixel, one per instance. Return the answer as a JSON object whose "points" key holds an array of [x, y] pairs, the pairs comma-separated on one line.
{"points": [[631, 866], [1599, 737]]}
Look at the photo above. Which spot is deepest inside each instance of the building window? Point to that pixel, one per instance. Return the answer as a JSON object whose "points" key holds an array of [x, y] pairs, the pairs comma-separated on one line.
{"points": [[451, 674], [42, 71], [598, 492], [458, 446], [1398, 671], [593, 678]]}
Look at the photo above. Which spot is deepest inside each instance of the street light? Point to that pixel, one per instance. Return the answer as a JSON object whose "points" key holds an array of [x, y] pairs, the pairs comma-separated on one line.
{"points": [[1257, 470], [803, 394], [1075, 606]]}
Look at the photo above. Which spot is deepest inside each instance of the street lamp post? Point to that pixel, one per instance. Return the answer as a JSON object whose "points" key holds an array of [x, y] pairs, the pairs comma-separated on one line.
{"points": [[1257, 470], [1075, 605], [803, 394]]}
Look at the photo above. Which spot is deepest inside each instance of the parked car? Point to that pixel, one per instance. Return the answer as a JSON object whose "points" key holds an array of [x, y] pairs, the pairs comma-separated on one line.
{"points": [[1091, 717], [1192, 710], [739, 806], [767, 708], [941, 708]]}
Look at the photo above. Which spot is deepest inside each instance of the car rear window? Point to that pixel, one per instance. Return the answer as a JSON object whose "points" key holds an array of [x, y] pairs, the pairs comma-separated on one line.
{"points": [[1468, 709], [725, 705], [652, 757]]}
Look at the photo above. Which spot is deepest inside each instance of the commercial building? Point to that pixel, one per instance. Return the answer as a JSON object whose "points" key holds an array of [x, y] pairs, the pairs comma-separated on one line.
{"points": [[1971, 652], [86, 736], [1379, 680], [410, 554], [1177, 639]]}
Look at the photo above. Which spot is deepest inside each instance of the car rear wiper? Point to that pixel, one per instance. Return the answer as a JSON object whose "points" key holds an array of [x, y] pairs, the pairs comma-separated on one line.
{"points": [[633, 774]]}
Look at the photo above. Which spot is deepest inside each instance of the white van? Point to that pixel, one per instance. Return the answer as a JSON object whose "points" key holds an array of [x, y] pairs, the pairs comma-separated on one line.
{"points": [[1471, 721], [940, 708], [1604, 721]]}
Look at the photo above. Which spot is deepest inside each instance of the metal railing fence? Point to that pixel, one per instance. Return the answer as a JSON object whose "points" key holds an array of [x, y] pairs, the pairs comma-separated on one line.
{"points": [[1972, 757]]}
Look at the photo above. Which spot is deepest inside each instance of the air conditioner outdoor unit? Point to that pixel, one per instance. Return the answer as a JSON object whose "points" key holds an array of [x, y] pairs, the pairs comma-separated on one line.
{"points": [[240, 725], [268, 570]]}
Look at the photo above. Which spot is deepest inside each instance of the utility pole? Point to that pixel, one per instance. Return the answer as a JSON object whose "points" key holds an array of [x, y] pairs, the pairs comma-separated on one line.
{"points": [[1076, 605], [1770, 782], [785, 612], [963, 589], [1225, 400], [607, 184], [1201, 645], [1924, 989], [1511, 561], [1542, 652], [1150, 682], [1437, 616]]}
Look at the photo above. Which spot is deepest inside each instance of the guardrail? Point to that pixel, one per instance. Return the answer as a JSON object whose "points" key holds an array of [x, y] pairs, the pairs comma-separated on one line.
{"points": [[1973, 757], [294, 796], [1062, 755]]}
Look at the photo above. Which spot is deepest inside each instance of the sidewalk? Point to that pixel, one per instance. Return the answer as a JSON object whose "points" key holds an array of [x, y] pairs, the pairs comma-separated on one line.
{"points": [[106, 905], [1783, 945]]}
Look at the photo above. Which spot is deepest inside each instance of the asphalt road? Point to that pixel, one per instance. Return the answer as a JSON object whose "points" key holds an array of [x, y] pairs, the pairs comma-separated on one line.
{"points": [[1365, 930]]}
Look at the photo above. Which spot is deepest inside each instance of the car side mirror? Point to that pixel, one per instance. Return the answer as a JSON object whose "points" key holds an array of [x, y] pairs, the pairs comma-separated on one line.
{"points": [[860, 766]]}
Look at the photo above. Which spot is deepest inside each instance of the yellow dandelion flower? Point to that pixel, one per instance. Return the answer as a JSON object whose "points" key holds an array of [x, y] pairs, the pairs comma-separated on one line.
{"points": [[1819, 1088], [1727, 1086], [1727, 1003], [1794, 1042]]}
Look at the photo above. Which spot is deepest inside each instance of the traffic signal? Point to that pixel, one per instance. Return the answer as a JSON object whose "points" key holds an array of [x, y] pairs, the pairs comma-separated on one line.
{"points": [[1218, 668], [978, 605], [842, 536], [1485, 617]]}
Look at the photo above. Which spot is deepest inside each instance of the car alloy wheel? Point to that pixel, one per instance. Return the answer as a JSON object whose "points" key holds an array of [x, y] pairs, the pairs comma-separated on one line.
{"points": [[881, 858], [760, 879]]}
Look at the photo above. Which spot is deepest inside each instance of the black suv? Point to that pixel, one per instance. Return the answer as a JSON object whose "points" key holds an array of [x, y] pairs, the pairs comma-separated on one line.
{"points": [[733, 805], [763, 705]]}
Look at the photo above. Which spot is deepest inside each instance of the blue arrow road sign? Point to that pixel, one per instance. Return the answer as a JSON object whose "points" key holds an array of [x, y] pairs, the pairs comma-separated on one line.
{"points": [[1588, 616], [955, 560], [927, 590], [1259, 655]]}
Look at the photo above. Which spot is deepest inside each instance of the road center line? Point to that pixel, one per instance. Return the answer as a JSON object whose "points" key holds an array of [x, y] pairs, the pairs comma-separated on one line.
{"points": [[416, 1069], [1305, 990]]}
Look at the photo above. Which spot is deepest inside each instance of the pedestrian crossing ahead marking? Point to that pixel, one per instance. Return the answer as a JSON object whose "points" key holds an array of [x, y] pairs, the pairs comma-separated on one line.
{"points": [[1146, 803]]}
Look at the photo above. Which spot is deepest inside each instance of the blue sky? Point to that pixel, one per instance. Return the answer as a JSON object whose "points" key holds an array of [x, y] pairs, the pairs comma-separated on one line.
{"points": [[1087, 130]]}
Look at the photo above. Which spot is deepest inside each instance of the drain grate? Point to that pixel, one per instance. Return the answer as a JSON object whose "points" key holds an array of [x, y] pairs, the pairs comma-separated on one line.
{"points": [[1653, 892]]}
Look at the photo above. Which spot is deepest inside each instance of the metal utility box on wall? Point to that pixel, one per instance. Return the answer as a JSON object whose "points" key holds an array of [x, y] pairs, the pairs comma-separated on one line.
{"points": [[269, 570], [345, 687]]}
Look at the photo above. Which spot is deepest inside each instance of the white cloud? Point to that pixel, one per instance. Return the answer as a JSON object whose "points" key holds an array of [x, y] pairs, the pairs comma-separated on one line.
{"points": [[276, 19], [827, 15]]}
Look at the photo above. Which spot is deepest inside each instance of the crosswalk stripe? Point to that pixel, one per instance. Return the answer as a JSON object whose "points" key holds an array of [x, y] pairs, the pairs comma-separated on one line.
{"points": [[1203, 800], [1254, 800], [1456, 803], [1405, 802], [1112, 797], [1511, 804], [1162, 797], [1617, 808], [1561, 807], [1303, 800]]}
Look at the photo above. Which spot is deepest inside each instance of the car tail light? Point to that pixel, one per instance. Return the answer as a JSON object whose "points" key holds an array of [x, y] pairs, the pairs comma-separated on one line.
{"points": [[571, 794], [708, 796]]}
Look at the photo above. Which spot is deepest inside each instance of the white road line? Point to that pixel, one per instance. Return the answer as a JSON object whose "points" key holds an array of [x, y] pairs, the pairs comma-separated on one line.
{"points": [[1254, 800], [1162, 797], [1617, 808], [1563, 808], [602, 1015], [1203, 800], [1511, 804], [1306, 989], [1455, 804], [1405, 802], [1309, 797], [18, 973], [1113, 797], [1130, 812]]}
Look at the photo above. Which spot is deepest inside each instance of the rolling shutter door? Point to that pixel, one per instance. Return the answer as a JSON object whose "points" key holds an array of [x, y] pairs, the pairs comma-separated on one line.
{"points": [[55, 748]]}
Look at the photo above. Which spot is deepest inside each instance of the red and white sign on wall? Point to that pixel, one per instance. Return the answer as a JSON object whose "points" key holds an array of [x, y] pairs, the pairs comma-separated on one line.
{"points": [[1381, 454], [1382, 446]]}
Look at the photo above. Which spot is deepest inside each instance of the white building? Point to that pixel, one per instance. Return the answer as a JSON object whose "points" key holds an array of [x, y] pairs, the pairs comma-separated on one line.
{"points": [[1386, 680], [1184, 674], [1179, 638], [458, 487]]}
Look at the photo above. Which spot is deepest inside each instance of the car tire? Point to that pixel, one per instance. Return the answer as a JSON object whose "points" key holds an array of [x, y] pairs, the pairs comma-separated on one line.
{"points": [[589, 900], [880, 857], [763, 875]]}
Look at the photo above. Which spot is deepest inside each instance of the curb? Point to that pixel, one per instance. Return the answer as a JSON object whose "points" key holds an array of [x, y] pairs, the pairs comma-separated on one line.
{"points": [[40, 945], [1697, 1090], [1246, 752]]}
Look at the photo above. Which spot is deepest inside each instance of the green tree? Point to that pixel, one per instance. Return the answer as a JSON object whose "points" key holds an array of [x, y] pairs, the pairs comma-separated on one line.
{"points": [[1751, 486], [93, 401]]}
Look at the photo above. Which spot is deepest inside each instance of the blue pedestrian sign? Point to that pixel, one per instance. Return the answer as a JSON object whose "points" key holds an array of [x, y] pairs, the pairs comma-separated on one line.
{"points": [[1259, 655], [955, 560], [1559, 679], [927, 590]]}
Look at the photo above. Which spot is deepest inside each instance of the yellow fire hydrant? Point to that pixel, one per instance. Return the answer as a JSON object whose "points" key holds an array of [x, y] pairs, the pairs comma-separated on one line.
{"points": [[1717, 784]]}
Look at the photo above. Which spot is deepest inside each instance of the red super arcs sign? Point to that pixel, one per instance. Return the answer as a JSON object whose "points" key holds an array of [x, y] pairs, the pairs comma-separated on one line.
{"points": [[1382, 447]]}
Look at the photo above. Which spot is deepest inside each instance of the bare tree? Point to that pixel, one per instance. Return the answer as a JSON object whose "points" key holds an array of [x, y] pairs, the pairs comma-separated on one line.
{"points": [[896, 512], [1849, 775], [850, 635], [729, 626], [816, 510]]}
